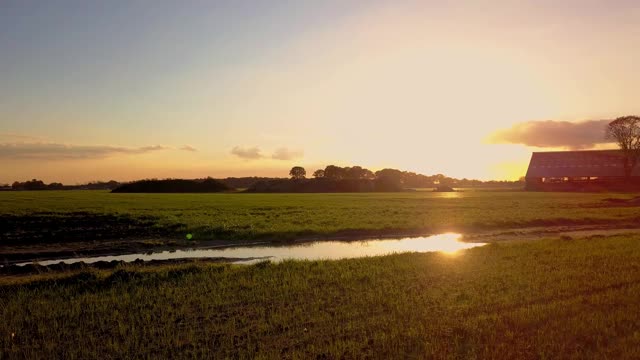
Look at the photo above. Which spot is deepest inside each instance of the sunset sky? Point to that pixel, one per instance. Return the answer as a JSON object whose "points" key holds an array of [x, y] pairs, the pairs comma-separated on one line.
{"points": [[99, 90]]}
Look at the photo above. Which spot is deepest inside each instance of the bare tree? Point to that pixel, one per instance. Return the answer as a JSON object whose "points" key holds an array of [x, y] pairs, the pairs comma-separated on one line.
{"points": [[297, 172], [625, 131]]}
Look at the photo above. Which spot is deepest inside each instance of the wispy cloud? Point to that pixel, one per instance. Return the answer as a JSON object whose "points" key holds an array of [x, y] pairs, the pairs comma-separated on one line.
{"points": [[188, 148], [14, 137], [252, 153], [52, 151], [286, 154], [552, 133]]}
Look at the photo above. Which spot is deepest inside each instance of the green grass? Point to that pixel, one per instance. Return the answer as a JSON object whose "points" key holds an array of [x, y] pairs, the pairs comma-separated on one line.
{"points": [[282, 216], [524, 300]]}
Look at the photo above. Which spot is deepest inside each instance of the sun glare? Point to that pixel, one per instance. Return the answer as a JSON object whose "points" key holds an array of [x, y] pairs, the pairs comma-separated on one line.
{"points": [[451, 244], [449, 195]]}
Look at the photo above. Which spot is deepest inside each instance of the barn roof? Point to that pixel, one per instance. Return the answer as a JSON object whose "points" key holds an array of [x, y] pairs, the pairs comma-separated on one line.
{"points": [[596, 163]]}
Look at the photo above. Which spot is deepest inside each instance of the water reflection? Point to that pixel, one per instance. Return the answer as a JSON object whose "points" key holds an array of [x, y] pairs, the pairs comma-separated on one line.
{"points": [[329, 250], [449, 195]]}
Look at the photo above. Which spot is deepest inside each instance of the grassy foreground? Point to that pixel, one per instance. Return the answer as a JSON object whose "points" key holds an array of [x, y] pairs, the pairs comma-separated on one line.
{"points": [[526, 300], [62, 216]]}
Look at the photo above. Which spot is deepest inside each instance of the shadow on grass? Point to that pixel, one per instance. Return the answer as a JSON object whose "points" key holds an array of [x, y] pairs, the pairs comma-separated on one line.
{"points": [[90, 279]]}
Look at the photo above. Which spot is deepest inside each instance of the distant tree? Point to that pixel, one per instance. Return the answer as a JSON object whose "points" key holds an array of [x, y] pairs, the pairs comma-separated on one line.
{"points": [[442, 180], [389, 179], [334, 172], [318, 173], [353, 172], [297, 172], [367, 174], [392, 175], [35, 185], [345, 172], [357, 172], [172, 186], [625, 131], [55, 186]]}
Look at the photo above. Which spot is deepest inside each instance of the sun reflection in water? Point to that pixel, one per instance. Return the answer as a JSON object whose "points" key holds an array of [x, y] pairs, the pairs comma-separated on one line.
{"points": [[449, 195], [448, 243]]}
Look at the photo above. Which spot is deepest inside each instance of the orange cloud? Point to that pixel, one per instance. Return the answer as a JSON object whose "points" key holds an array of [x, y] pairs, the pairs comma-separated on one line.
{"points": [[52, 151], [554, 134], [188, 148], [254, 153], [247, 153], [286, 154]]}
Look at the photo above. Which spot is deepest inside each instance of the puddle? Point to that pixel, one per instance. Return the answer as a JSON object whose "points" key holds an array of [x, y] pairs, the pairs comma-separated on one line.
{"points": [[320, 250]]}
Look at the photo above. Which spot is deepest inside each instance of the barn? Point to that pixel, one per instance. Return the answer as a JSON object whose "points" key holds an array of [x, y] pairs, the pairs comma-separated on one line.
{"points": [[590, 170]]}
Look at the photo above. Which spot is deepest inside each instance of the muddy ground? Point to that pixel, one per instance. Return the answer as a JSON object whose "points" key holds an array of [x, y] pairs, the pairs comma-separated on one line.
{"points": [[49, 236], [51, 251]]}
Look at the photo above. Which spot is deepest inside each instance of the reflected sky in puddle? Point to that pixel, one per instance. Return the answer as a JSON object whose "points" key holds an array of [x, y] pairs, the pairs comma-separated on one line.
{"points": [[330, 250]]}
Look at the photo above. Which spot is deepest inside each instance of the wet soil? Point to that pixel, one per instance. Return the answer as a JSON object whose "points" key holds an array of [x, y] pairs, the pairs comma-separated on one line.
{"points": [[31, 269], [49, 236], [56, 228], [40, 252]]}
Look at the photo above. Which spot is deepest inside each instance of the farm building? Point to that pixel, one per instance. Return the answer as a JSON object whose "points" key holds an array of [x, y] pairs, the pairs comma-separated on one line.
{"points": [[591, 170]]}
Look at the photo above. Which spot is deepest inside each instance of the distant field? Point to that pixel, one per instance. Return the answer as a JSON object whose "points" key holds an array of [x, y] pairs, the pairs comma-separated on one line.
{"points": [[526, 300], [50, 216]]}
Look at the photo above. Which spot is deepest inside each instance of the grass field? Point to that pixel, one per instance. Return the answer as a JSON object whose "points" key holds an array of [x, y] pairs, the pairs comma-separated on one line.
{"points": [[551, 298], [34, 217], [525, 300]]}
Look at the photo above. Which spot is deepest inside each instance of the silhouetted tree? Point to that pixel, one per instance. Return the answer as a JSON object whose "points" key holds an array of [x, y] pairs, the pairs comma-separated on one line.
{"points": [[392, 175], [357, 172], [35, 185], [334, 172], [208, 185], [368, 174], [389, 179], [297, 173], [318, 173], [625, 131], [55, 186]]}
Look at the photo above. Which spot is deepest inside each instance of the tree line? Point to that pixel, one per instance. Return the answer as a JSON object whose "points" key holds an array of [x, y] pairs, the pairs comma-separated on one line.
{"points": [[207, 185], [35, 184], [405, 178]]}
